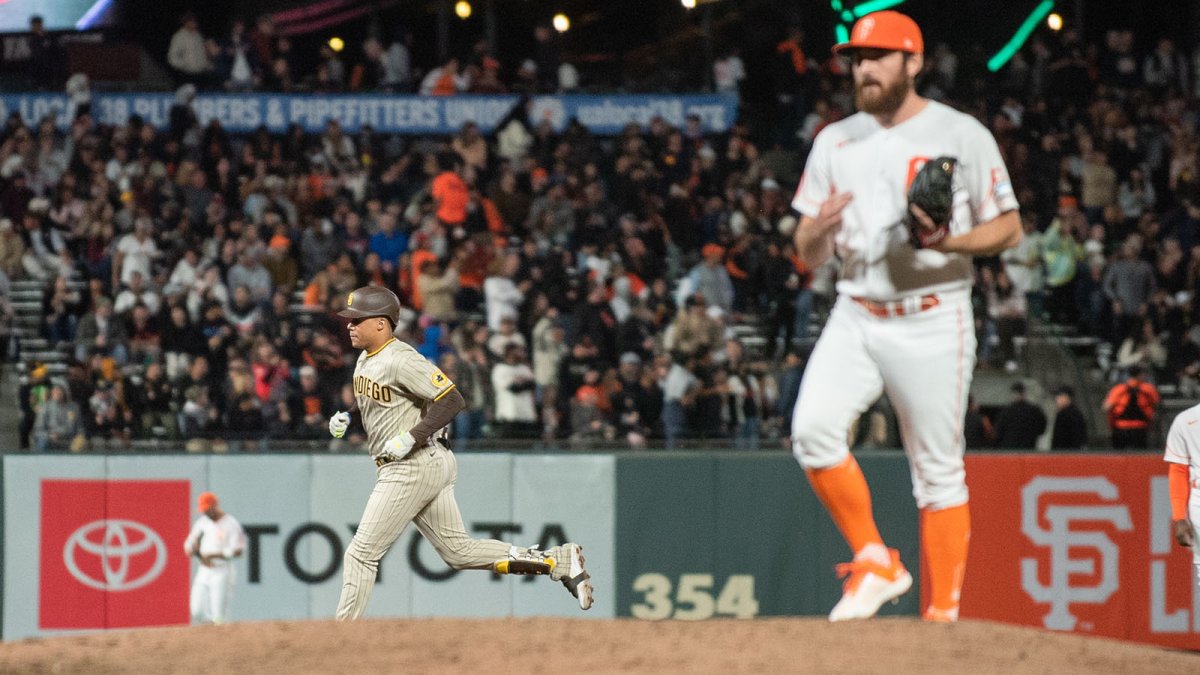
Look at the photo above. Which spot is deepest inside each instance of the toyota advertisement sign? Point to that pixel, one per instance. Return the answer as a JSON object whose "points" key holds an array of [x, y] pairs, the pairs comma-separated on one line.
{"points": [[97, 542], [112, 554]]}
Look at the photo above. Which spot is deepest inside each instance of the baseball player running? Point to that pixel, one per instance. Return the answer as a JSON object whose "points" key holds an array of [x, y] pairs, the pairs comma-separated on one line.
{"points": [[902, 322], [406, 404], [1183, 479], [216, 539]]}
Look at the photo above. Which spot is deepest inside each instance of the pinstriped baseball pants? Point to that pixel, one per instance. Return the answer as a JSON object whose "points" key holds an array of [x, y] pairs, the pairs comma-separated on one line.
{"points": [[420, 489]]}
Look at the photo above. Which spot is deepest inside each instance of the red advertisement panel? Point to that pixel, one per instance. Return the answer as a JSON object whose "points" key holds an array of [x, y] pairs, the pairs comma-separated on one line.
{"points": [[112, 554], [1079, 543]]}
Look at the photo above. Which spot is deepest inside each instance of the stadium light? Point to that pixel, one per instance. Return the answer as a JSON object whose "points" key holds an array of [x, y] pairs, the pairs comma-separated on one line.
{"points": [[462, 9], [337, 44], [561, 23], [688, 4], [1055, 21]]}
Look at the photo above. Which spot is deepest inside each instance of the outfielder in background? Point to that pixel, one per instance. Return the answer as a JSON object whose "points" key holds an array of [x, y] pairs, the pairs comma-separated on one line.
{"points": [[902, 322], [1183, 480], [406, 404], [216, 539]]}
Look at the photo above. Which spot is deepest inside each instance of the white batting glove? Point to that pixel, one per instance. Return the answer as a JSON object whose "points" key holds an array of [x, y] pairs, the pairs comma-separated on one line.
{"points": [[401, 445], [338, 424]]}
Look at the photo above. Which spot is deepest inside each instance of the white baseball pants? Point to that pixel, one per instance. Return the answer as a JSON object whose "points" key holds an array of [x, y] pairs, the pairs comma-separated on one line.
{"points": [[923, 361], [212, 592]]}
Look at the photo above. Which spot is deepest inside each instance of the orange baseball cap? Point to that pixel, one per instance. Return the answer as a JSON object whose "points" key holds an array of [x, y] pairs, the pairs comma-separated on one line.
{"points": [[206, 501], [885, 30]]}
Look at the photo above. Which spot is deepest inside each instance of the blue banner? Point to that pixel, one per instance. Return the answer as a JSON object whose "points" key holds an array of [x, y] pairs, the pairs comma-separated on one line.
{"points": [[240, 113]]}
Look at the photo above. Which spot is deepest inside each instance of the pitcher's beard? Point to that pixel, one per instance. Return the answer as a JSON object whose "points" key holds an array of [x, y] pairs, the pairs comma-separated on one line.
{"points": [[884, 102]]}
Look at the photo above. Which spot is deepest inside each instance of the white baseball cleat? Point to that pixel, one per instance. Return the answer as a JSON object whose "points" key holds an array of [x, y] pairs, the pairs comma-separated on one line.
{"points": [[575, 577], [868, 586], [524, 561]]}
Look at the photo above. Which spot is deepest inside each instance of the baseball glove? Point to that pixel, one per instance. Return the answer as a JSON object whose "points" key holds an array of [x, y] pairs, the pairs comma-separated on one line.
{"points": [[932, 189]]}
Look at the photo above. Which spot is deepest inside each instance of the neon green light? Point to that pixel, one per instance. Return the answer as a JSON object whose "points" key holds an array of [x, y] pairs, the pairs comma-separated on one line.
{"points": [[847, 15], [875, 6], [1018, 39]]}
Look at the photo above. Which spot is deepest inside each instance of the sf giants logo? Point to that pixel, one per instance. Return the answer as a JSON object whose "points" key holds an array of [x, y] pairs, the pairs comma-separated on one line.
{"points": [[1061, 538]]}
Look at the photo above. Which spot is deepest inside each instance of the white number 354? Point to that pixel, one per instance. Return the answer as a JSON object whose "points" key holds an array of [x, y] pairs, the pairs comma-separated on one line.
{"points": [[694, 597]]}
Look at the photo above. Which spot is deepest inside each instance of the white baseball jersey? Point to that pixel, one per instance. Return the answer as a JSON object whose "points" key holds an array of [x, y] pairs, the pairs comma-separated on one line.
{"points": [[1183, 447], [877, 165], [224, 537], [392, 385]]}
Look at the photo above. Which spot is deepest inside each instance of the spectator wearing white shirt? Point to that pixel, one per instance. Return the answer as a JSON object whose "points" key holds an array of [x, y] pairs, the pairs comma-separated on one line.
{"points": [[207, 288], [137, 292], [499, 342], [42, 259], [679, 390], [185, 273], [728, 72], [136, 252], [501, 294], [513, 384], [188, 54]]}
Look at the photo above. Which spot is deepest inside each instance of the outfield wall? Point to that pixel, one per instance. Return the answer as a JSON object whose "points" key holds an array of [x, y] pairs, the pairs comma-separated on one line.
{"points": [[1067, 542]]}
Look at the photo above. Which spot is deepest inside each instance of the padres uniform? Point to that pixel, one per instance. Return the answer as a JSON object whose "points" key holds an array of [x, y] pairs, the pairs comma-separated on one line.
{"points": [[1183, 454], [393, 387], [902, 322], [212, 588]]}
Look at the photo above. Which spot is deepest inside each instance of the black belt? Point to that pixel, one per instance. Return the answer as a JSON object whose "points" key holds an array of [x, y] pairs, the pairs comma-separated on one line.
{"points": [[382, 460]]}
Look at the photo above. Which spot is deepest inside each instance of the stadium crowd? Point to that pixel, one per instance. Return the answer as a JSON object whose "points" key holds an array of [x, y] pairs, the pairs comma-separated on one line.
{"points": [[576, 288]]}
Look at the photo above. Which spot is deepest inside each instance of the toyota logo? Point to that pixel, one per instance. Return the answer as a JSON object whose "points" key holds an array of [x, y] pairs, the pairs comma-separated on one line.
{"points": [[115, 543]]}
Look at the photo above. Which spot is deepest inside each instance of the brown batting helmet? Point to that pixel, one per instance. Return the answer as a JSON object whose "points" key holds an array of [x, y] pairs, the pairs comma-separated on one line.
{"points": [[370, 301]]}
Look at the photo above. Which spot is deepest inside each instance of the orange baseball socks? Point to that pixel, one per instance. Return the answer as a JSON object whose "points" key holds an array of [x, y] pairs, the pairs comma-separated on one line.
{"points": [[945, 535], [842, 488]]}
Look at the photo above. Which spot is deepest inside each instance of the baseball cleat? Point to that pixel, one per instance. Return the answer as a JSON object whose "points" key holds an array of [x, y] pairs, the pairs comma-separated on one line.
{"points": [[529, 561], [869, 585], [576, 579]]}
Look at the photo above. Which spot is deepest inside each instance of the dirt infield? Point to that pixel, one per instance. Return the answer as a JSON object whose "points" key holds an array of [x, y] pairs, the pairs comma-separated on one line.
{"points": [[892, 646]]}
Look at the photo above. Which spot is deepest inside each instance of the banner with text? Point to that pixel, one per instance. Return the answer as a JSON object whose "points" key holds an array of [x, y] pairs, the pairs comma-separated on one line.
{"points": [[95, 542], [1079, 543], [242, 113]]}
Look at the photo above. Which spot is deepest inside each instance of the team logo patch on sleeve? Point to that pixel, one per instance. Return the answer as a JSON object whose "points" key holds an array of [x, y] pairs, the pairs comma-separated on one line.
{"points": [[438, 379]]}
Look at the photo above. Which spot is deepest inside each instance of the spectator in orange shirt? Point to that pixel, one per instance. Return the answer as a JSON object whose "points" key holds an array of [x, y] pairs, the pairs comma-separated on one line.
{"points": [[450, 192], [447, 82], [1131, 406]]}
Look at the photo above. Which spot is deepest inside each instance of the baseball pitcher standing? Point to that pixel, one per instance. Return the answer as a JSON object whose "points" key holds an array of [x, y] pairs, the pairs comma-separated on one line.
{"points": [[1183, 480], [903, 192], [216, 538], [406, 404]]}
